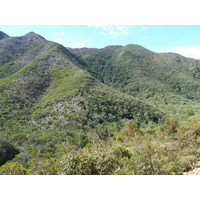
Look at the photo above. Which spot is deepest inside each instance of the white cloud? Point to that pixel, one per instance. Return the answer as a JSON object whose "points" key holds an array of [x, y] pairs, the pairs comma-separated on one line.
{"points": [[188, 51], [144, 28], [114, 30], [61, 38], [81, 43]]}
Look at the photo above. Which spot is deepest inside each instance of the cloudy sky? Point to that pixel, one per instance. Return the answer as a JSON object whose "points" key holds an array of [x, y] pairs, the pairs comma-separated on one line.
{"points": [[182, 39]]}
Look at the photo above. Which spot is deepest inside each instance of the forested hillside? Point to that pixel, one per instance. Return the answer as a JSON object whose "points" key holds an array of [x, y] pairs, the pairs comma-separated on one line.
{"points": [[167, 80], [115, 110]]}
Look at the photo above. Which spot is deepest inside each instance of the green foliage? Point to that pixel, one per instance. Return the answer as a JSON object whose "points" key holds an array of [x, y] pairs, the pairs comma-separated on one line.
{"points": [[78, 165], [192, 125], [141, 153], [168, 81], [52, 93], [13, 168], [95, 161], [43, 165]]}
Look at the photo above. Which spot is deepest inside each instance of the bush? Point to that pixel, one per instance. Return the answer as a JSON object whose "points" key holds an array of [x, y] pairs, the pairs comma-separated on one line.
{"points": [[43, 165], [13, 168], [78, 165]]}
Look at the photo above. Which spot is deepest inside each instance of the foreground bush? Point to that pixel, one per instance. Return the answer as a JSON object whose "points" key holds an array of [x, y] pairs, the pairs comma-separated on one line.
{"points": [[95, 161], [167, 149], [13, 168]]}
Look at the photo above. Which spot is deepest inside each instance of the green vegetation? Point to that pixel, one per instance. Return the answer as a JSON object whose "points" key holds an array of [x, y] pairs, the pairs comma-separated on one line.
{"points": [[165, 149], [169, 81], [58, 118]]}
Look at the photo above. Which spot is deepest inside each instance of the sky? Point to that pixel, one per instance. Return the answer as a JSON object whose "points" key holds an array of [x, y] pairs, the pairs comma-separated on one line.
{"points": [[182, 39]]}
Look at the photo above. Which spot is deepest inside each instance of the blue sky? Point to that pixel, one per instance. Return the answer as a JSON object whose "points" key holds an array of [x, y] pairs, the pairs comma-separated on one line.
{"points": [[182, 39]]}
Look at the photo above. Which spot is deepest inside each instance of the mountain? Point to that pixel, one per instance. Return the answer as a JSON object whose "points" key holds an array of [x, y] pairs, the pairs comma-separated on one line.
{"points": [[159, 78], [48, 91], [99, 111], [3, 35], [15, 52]]}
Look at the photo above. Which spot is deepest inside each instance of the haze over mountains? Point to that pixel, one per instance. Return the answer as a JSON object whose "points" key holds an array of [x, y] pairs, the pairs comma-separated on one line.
{"points": [[54, 92]]}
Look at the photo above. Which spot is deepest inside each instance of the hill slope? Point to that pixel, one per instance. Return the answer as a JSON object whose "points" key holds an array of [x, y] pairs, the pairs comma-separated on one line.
{"points": [[15, 52], [166, 78], [82, 51], [51, 92]]}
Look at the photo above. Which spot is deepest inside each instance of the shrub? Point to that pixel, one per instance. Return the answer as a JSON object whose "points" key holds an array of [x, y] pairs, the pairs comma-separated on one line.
{"points": [[43, 165], [13, 168], [78, 164]]}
